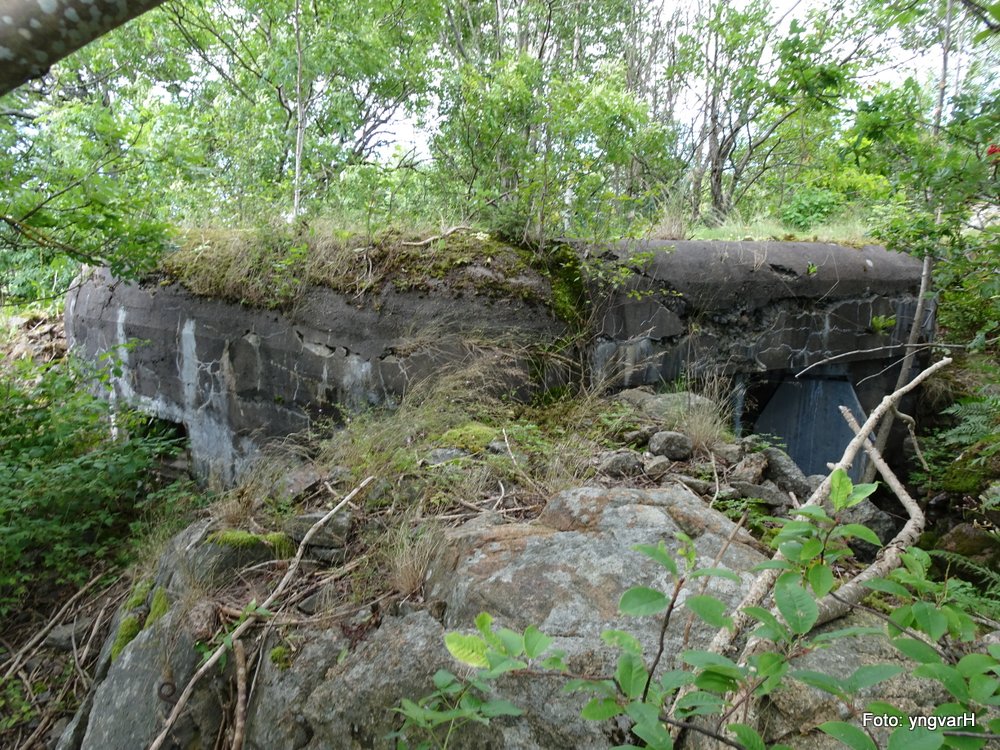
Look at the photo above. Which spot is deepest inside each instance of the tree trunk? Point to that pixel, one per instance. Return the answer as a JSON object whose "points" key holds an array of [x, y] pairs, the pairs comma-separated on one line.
{"points": [[42, 32]]}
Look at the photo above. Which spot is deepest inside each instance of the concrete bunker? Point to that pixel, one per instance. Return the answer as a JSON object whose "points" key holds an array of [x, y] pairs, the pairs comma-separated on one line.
{"points": [[758, 312]]}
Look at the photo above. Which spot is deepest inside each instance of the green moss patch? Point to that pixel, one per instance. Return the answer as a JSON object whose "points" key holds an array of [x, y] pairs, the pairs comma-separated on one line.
{"points": [[158, 606], [280, 543], [237, 538], [128, 629], [472, 437], [281, 657], [139, 594]]}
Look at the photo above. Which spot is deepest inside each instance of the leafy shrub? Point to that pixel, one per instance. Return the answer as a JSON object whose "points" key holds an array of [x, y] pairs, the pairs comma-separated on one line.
{"points": [[68, 490], [809, 207]]}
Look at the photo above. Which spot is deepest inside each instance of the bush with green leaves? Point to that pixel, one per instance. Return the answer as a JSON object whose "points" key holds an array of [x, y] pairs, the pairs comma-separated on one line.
{"points": [[687, 691], [69, 489], [809, 207]]}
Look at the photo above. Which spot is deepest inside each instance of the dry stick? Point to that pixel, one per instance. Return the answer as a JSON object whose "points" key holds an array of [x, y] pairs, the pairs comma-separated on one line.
{"points": [[437, 237], [762, 586], [55, 620], [241, 694], [830, 608], [836, 605], [251, 618]]}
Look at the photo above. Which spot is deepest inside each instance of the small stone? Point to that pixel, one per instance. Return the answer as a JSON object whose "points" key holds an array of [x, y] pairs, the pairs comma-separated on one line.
{"points": [[768, 492], [63, 636], [673, 445], [868, 514], [620, 464], [750, 469], [331, 534], [657, 467], [729, 453], [639, 437], [785, 473], [444, 455], [697, 485]]}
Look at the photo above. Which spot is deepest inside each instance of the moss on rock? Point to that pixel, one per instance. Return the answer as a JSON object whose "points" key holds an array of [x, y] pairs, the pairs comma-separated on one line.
{"points": [[472, 437], [128, 629], [158, 606]]}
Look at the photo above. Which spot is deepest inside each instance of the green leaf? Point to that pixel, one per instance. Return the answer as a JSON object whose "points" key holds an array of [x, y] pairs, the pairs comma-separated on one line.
{"points": [[815, 512], [917, 739], [675, 679], [715, 573], [840, 488], [444, 679], [512, 643], [499, 707], [772, 628], [535, 642], [484, 624], [849, 530], [747, 736], [795, 604], [859, 492], [850, 735], [773, 565], [705, 659], [621, 640], [917, 650], [654, 735], [984, 689], [468, 649], [600, 709], [699, 703], [871, 674], [811, 548], [660, 554], [888, 587], [709, 609], [820, 579], [948, 676], [928, 619], [716, 681], [820, 680], [640, 601], [631, 675]]}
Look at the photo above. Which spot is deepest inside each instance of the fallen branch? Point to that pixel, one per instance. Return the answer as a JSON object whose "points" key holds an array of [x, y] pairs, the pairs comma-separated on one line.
{"points": [[764, 583], [830, 607], [239, 728], [29, 647], [217, 655], [436, 237]]}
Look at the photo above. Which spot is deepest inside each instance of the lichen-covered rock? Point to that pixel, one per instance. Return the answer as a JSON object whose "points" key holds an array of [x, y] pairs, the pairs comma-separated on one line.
{"points": [[785, 473], [673, 445], [619, 464], [795, 709], [130, 704]]}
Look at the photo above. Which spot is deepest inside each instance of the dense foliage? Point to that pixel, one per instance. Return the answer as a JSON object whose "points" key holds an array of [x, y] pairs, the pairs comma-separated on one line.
{"points": [[533, 120], [69, 491]]}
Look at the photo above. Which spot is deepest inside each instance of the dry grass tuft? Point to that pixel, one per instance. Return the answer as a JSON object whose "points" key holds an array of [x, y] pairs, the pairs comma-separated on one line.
{"points": [[408, 552]]}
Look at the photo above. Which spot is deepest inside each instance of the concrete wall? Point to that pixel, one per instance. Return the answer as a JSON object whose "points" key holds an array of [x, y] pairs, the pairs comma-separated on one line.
{"points": [[236, 376]]}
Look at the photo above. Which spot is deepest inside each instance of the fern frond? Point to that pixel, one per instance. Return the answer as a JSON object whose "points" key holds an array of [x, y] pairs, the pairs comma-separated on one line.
{"points": [[971, 567]]}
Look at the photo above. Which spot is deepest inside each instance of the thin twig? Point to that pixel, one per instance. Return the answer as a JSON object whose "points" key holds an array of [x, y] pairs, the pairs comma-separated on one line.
{"points": [[28, 648], [252, 617]]}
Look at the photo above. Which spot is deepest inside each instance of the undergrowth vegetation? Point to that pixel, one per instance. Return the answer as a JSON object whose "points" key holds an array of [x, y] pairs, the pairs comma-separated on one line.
{"points": [[72, 494]]}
